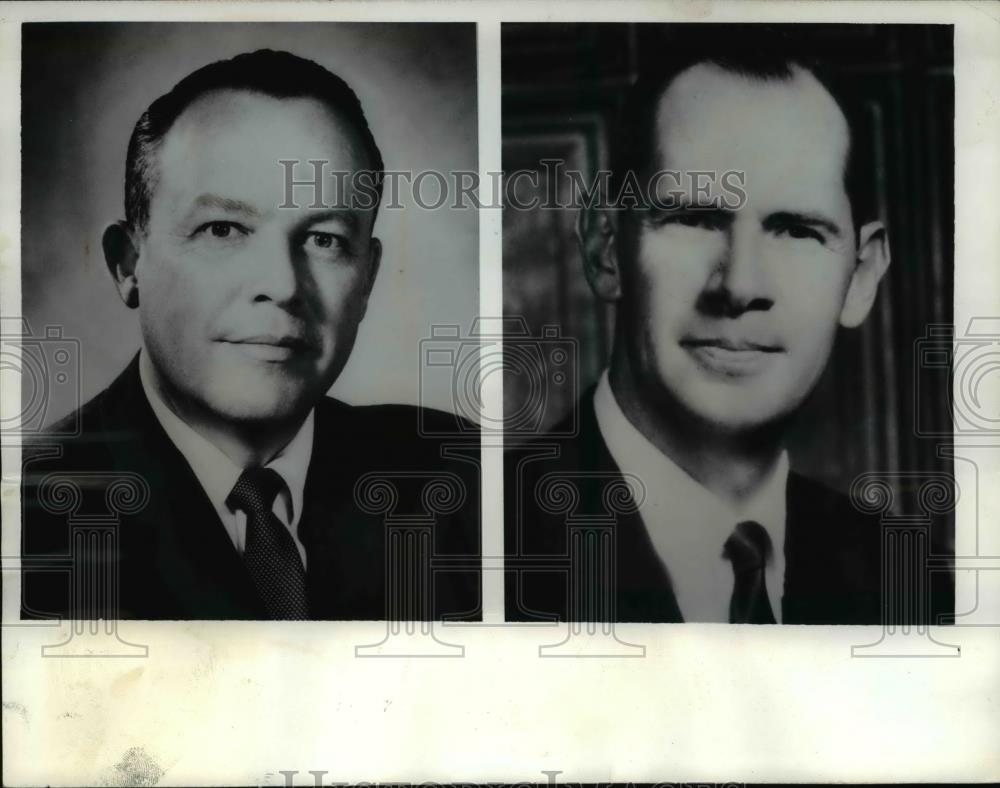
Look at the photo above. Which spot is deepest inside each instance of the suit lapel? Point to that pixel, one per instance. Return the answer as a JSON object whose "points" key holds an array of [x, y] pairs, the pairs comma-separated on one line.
{"points": [[643, 589], [183, 563], [345, 546]]}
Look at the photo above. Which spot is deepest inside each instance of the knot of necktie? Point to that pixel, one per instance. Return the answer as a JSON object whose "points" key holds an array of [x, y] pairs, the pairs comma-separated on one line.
{"points": [[255, 491], [749, 550], [748, 547]]}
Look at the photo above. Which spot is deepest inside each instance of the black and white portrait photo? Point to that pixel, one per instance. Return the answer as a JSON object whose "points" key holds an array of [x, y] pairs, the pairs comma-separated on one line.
{"points": [[208, 241], [730, 241], [546, 393]]}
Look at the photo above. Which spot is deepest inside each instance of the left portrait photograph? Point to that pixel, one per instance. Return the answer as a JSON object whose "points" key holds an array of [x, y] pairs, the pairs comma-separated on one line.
{"points": [[235, 249]]}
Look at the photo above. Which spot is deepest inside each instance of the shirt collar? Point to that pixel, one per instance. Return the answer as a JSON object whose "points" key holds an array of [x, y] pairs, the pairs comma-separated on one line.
{"points": [[216, 472], [633, 450], [292, 463], [687, 523]]}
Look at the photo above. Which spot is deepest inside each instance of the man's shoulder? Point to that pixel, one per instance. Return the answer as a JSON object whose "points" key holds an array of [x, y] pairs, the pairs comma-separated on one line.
{"points": [[108, 420], [823, 522], [394, 421], [833, 557], [566, 468], [572, 444], [809, 497], [97, 415], [391, 435]]}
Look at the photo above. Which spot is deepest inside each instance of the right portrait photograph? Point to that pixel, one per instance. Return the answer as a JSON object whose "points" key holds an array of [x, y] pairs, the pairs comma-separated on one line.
{"points": [[728, 298]]}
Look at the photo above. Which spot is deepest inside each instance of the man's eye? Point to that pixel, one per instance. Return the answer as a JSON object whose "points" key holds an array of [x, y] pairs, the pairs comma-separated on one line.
{"points": [[222, 230], [324, 241], [706, 220], [801, 232]]}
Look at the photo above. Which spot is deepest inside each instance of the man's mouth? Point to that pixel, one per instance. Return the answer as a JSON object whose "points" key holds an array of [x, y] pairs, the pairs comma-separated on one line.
{"points": [[273, 347], [735, 345], [731, 357]]}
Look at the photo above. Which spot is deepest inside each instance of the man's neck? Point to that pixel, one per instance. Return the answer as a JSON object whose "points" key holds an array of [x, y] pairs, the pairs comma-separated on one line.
{"points": [[245, 444], [733, 466]]}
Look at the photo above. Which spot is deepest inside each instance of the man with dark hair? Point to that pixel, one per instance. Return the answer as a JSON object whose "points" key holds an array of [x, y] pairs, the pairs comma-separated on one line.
{"points": [[725, 321], [247, 483]]}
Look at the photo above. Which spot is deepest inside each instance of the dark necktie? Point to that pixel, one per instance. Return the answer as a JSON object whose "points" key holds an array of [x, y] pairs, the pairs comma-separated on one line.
{"points": [[749, 549], [270, 553]]}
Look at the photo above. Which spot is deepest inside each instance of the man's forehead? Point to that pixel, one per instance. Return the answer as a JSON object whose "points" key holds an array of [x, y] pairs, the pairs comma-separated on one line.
{"points": [[771, 129], [235, 116], [231, 143]]}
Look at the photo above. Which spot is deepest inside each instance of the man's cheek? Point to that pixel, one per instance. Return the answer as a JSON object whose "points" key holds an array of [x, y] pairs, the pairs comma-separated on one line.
{"points": [[815, 303], [669, 301]]}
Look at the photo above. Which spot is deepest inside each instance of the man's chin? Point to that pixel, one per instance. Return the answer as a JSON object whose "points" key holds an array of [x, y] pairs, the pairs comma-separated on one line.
{"points": [[264, 410], [736, 425], [733, 416]]}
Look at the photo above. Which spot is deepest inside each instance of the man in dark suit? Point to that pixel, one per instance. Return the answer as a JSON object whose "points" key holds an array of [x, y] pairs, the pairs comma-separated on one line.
{"points": [[673, 500], [214, 478]]}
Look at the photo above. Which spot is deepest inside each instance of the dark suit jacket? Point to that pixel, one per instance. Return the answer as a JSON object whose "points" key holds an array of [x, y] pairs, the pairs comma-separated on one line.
{"points": [[832, 551], [172, 556]]}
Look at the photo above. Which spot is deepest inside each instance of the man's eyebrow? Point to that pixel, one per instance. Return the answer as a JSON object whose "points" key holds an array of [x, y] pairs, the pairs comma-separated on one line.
{"points": [[666, 209], [347, 217], [686, 203], [786, 218], [227, 204]]}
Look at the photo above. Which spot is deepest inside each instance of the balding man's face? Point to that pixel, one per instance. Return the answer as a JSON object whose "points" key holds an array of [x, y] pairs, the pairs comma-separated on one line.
{"points": [[731, 316], [249, 311]]}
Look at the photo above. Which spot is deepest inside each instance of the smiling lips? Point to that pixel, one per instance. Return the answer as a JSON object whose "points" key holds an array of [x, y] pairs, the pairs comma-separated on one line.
{"points": [[273, 347], [731, 357]]}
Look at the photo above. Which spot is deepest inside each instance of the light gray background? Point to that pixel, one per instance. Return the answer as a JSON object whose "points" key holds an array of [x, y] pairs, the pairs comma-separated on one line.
{"points": [[85, 85]]}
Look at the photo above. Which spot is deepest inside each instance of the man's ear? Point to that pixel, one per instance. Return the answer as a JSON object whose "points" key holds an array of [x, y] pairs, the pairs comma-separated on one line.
{"points": [[374, 260], [121, 253], [870, 266], [595, 232]]}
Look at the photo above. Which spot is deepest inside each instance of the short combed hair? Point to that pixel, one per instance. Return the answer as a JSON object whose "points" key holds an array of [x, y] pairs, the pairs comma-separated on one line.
{"points": [[267, 72], [757, 52]]}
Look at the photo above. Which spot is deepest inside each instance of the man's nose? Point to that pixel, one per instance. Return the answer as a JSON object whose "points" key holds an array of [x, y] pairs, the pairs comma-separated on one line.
{"points": [[275, 276], [740, 281]]}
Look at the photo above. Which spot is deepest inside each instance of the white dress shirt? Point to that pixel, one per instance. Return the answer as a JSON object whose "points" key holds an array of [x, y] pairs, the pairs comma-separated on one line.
{"points": [[218, 474], [687, 523]]}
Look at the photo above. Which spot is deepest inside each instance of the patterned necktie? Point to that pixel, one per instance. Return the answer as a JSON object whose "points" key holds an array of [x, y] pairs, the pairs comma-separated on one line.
{"points": [[749, 549], [270, 554]]}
